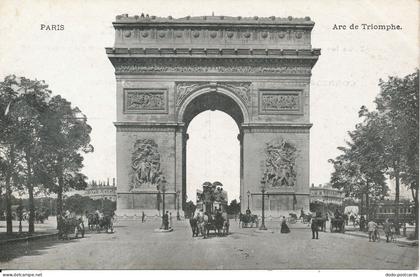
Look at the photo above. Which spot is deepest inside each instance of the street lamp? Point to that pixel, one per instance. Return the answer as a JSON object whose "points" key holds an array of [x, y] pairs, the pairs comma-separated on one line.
{"points": [[248, 193], [262, 227], [177, 205], [163, 188]]}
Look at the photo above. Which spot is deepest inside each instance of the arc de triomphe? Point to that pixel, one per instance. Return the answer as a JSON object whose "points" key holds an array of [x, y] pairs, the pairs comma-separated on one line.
{"points": [[168, 70]]}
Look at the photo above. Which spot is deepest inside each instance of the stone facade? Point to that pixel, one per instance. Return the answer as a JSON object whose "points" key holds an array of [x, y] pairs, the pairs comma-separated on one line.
{"points": [[169, 70], [326, 194]]}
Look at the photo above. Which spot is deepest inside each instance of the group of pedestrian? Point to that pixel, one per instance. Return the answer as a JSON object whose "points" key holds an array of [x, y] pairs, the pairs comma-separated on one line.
{"points": [[167, 220], [373, 230]]}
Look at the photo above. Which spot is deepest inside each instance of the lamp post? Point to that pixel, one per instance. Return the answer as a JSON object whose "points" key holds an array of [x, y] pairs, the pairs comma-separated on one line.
{"points": [[262, 227], [248, 193], [178, 217], [163, 188]]}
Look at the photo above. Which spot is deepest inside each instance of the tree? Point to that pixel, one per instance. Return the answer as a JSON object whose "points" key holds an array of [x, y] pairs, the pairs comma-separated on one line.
{"points": [[66, 136], [23, 101], [398, 109], [359, 171], [234, 207], [385, 142]]}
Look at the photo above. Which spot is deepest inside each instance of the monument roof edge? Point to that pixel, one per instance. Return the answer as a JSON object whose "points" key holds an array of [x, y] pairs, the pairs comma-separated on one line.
{"points": [[255, 21]]}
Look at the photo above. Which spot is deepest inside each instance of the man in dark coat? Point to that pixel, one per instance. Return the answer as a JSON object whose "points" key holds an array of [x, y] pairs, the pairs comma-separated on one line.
{"points": [[166, 220], [314, 227]]}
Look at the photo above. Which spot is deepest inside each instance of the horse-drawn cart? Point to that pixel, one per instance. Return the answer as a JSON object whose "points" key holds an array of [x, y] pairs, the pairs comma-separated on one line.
{"points": [[71, 227], [248, 220], [337, 224], [211, 215]]}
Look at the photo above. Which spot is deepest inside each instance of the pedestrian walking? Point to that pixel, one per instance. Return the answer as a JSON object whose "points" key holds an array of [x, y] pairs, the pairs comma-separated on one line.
{"points": [[284, 228], [143, 216], [362, 223], [387, 229], [372, 226], [314, 227]]}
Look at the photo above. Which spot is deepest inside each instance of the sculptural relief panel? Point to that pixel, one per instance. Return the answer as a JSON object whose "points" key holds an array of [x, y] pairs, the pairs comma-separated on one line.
{"points": [[280, 102], [145, 100], [197, 66], [145, 165], [241, 89], [280, 164]]}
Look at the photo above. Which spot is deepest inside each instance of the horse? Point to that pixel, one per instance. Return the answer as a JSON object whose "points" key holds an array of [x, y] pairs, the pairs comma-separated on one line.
{"points": [[202, 220], [71, 225], [246, 219], [106, 223], [194, 226], [218, 223], [93, 221], [212, 225]]}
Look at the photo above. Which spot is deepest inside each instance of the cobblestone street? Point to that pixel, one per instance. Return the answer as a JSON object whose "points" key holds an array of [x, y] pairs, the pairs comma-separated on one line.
{"points": [[134, 245]]}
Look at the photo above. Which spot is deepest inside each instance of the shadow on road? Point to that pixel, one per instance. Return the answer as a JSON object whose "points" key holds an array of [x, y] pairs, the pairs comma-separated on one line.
{"points": [[15, 250]]}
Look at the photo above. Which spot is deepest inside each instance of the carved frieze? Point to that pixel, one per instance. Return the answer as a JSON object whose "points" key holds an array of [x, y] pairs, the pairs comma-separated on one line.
{"points": [[280, 167], [241, 89], [145, 165], [145, 100], [197, 66], [280, 101], [183, 89]]}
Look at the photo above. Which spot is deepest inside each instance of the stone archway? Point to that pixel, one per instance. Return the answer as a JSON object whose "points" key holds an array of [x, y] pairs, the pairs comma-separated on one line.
{"points": [[206, 96], [257, 70]]}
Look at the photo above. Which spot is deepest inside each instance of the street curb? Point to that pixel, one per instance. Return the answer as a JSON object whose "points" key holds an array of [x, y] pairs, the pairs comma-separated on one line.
{"points": [[28, 238], [410, 243]]}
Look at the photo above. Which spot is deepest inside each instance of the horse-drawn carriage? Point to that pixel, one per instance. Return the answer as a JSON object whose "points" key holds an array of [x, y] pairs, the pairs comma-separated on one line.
{"points": [[212, 215], [203, 223], [248, 220], [71, 226], [338, 224], [98, 221]]}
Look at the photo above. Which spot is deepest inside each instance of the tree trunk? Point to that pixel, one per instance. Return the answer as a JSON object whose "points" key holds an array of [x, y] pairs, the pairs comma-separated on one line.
{"points": [[31, 209], [414, 193], [397, 197], [8, 196], [361, 204], [368, 215], [30, 187], [59, 202]]}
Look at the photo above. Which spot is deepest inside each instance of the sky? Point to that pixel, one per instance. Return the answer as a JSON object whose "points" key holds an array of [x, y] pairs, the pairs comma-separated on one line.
{"points": [[73, 62]]}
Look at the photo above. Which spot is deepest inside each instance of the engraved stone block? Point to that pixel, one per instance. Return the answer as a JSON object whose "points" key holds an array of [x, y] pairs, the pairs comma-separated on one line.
{"points": [[145, 100], [280, 101]]}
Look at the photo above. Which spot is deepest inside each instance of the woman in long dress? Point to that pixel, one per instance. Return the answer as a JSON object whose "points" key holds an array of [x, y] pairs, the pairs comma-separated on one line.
{"points": [[284, 228]]}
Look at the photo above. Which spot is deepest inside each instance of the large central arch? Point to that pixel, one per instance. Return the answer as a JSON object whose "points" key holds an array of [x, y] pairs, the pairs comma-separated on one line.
{"points": [[211, 97], [168, 70]]}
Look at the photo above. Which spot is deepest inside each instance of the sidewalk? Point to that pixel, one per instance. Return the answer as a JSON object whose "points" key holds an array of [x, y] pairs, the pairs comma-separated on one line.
{"points": [[47, 229], [27, 237], [399, 239]]}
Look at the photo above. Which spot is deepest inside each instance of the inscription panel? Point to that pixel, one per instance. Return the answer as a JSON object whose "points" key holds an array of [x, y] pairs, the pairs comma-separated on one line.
{"points": [[145, 100], [280, 102]]}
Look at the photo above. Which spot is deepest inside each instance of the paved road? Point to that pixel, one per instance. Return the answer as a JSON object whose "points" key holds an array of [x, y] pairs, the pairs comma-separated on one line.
{"points": [[136, 246]]}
